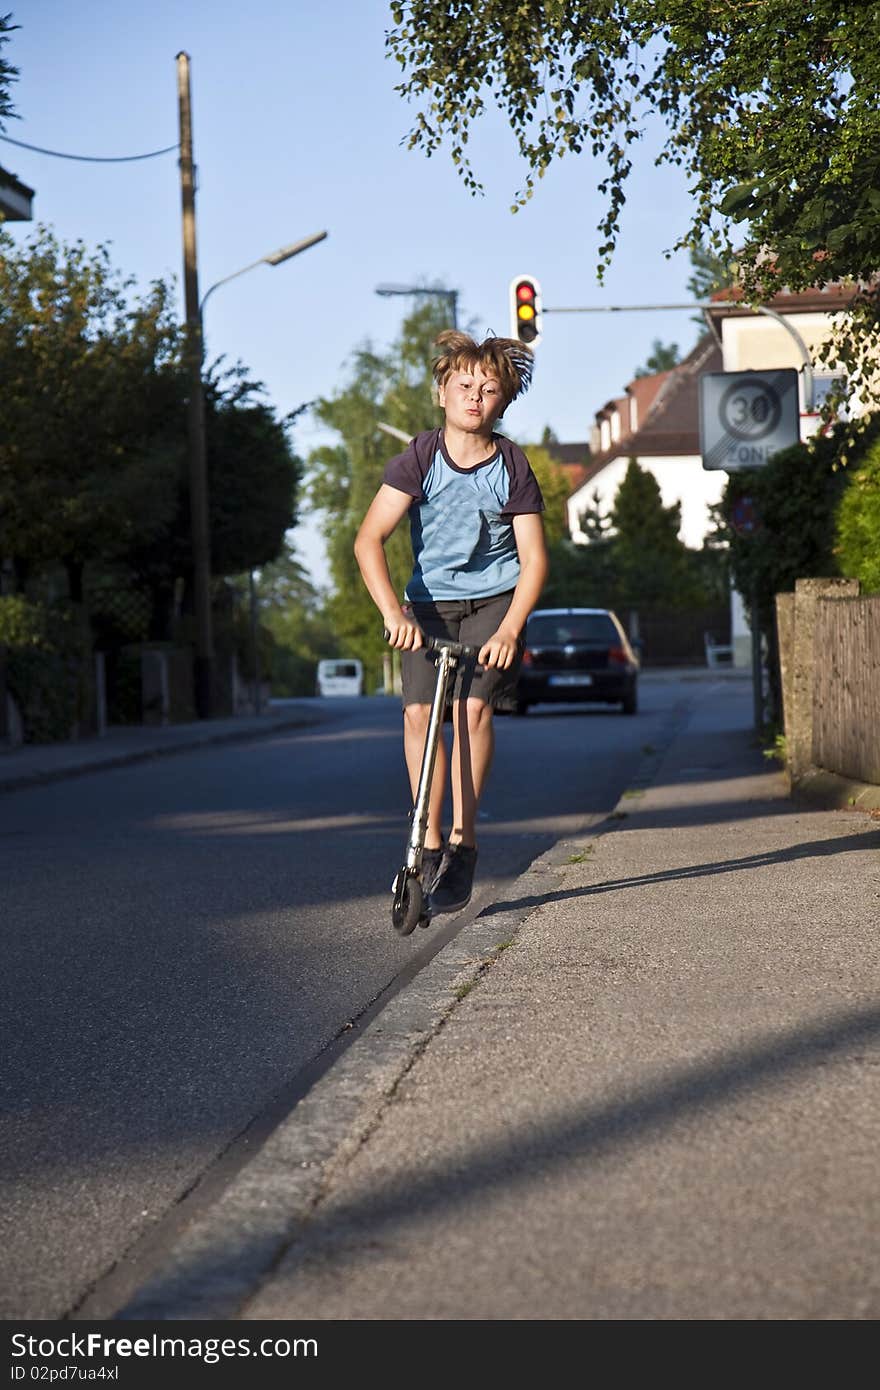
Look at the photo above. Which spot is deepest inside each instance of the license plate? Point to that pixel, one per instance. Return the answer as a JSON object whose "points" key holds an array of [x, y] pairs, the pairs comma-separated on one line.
{"points": [[570, 680]]}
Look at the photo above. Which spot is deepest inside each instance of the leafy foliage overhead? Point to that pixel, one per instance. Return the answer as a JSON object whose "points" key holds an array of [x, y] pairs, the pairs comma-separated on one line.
{"points": [[8, 74], [770, 107]]}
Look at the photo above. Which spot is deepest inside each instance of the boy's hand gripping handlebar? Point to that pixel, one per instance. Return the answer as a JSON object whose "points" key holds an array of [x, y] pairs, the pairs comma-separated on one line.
{"points": [[444, 644]]}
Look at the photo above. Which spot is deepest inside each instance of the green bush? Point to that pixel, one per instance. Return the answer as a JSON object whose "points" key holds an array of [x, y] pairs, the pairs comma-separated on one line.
{"points": [[49, 666], [857, 524]]}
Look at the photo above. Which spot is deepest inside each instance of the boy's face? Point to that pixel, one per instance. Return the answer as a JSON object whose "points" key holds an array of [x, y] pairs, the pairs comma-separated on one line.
{"points": [[473, 402]]}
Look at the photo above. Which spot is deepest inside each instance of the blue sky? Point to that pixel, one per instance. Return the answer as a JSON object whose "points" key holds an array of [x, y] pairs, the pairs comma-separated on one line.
{"points": [[297, 129]]}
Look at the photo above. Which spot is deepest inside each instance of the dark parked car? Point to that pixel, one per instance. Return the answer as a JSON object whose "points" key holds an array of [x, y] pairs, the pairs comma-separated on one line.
{"points": [[575, 654]]}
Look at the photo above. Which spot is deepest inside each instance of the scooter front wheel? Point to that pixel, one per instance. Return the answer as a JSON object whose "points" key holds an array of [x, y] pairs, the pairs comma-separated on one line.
{"points": [[408, 905]]}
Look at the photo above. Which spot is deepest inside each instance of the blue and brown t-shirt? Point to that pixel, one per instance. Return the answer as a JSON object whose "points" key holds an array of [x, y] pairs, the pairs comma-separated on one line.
{"points": [[461, 519]]}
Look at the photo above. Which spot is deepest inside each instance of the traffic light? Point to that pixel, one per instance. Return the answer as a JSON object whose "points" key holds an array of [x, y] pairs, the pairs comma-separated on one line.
{"points": [[525, 309]]}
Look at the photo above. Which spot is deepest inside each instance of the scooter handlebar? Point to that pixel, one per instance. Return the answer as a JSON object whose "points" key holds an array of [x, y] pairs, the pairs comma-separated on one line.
{"points": [[437, 644]]}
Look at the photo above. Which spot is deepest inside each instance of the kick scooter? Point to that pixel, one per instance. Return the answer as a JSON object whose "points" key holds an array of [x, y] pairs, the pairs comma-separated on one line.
{"points": [[409, 906]]}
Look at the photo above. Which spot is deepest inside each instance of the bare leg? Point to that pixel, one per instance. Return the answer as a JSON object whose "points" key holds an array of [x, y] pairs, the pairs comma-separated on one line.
{"points": [[472, 750], [415, 728]]}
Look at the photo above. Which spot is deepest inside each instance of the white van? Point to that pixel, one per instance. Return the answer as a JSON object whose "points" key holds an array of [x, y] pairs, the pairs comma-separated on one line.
{"points": [[343, 677]]}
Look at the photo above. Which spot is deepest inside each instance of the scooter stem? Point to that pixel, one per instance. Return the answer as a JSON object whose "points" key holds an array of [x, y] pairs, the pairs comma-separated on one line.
{"points": [[446, 663]]}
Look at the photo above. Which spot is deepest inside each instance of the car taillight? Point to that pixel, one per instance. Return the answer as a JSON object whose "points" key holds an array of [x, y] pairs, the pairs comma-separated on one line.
{"points": [[618, 656], [527, 658]]}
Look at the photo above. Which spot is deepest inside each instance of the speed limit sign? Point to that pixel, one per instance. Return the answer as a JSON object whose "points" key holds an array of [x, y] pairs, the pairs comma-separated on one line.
{"points": [[746, 417]]}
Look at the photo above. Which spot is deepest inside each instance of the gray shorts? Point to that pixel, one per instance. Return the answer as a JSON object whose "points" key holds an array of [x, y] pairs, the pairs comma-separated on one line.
{"points": [[472, 622]]}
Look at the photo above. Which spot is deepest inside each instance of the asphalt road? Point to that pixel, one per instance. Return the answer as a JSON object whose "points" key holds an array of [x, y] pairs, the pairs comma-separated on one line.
{"points": [[187, 941]]}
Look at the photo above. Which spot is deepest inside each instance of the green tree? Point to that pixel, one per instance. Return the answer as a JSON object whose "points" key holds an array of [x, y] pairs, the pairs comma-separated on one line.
{"points": [[93, 454], [581, 576], [651, 563], [293, 610], [663, 356], [253, 486], [593, 521], [638, 515], [771, 110], [91, 388], [253, 475], [857, 523], [554, 489]]}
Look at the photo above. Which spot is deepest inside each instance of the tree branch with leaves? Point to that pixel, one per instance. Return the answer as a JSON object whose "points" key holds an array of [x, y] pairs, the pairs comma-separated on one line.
{"points": [[769, 108]]}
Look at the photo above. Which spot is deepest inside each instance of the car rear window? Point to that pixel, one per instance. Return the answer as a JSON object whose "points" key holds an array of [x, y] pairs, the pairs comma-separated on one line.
{"points": [[551, 628]]}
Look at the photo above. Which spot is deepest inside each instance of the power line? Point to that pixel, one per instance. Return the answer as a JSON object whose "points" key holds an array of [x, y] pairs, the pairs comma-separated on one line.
{"points": [[90, 158]]}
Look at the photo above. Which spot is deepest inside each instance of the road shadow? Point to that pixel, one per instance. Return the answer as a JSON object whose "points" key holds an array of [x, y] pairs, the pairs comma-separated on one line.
{"points": [[810, 849]]}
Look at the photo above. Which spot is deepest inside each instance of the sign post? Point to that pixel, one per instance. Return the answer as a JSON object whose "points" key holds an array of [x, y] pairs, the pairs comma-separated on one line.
{"points": [[745, 521]]}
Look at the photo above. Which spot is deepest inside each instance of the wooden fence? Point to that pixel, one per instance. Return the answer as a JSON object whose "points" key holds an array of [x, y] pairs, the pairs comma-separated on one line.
{"points": [[846, 687]]}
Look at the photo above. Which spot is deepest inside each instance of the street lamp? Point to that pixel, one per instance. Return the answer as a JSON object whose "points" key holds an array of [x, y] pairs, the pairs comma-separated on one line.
{"points": [[451, 296], [199, 487], [284, 253]]}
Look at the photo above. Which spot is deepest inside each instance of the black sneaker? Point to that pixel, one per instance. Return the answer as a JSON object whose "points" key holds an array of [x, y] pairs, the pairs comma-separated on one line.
{"points": [[454, 885], [431, 861]]}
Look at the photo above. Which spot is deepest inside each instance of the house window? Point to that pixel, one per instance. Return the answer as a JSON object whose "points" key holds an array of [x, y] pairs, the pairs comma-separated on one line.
{"points": [[605, 435], [633, 414], [615, 426]]}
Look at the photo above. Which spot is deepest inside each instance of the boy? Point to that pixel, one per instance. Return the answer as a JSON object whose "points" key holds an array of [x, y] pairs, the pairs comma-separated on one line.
{"points": [[480, 563]]}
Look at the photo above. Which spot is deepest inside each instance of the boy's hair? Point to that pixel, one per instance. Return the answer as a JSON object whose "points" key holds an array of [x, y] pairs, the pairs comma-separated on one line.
{"points": [[504, 358]]}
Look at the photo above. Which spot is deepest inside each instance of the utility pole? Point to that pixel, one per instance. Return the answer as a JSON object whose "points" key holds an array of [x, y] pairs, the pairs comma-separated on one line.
{"points": [[198, 470]]}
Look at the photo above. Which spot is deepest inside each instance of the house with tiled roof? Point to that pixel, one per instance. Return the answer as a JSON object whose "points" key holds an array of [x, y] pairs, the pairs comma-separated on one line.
{"points": [[657, 422]]}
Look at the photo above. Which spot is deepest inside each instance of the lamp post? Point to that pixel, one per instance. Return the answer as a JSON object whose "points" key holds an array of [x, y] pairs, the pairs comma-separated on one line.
{"points": [[284, 253], [451, 296]]}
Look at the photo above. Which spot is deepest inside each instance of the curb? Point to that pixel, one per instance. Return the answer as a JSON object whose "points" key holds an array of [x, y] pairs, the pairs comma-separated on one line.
{"points": [[833, 792], [139, 755]]}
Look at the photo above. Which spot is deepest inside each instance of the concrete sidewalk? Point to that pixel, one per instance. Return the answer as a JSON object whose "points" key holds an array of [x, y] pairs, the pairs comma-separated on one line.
{"points": [[646, 1085], [33, 764]]}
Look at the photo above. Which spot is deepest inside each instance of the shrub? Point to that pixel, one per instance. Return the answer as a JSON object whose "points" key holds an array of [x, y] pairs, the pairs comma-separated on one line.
{"points": [[857, 524], [48, 671]]}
